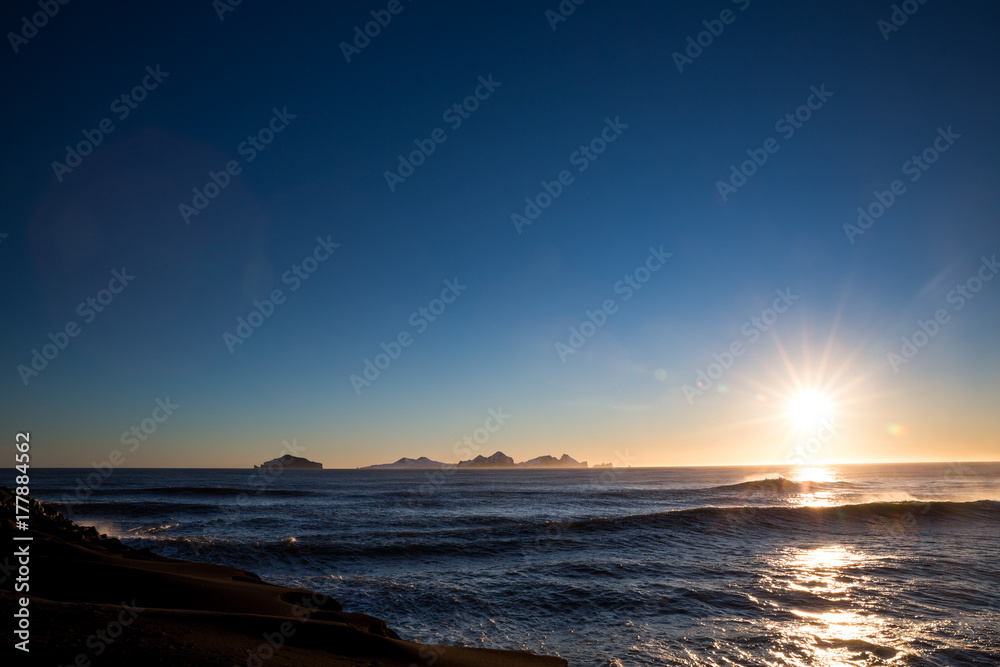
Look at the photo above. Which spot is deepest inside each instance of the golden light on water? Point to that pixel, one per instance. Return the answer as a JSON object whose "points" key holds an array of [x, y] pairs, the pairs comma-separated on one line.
{"points": [[834, 636], [814, 497], [812, 474], [823, 558], [822, 499]]}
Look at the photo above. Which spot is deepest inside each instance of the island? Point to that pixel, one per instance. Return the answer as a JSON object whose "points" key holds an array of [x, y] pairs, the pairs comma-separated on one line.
{"points": [[289, 462], [497, 460], [565, 461]]}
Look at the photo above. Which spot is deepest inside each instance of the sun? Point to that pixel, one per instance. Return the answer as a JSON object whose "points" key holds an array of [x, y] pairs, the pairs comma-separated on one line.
{"points": [[807, 403], [808, 410]]}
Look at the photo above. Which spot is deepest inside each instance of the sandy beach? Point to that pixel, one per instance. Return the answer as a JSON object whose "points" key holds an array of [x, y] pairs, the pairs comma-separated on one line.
{"points": [[94, 600]]}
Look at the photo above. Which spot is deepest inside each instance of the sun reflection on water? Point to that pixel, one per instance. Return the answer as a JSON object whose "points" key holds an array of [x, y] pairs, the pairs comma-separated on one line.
{"points": [[811, 480], [823, 558], [812, 474], [834, 629], [819, 499]]}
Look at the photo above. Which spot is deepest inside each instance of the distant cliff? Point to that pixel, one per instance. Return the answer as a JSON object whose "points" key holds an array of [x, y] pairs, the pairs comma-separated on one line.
{"points": [[410, 464], [289, 462], [565, 461], [497, 460]]}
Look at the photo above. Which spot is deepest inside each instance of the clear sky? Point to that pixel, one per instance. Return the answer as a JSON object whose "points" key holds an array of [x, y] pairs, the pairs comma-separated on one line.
{"points": [[687, 186]]}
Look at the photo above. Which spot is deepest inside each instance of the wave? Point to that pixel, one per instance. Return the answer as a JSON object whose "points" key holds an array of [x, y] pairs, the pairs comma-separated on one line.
{"points": [[214, 491], [131, 510], [153, 530], [784, 517], [533, 538], [779, 485]]}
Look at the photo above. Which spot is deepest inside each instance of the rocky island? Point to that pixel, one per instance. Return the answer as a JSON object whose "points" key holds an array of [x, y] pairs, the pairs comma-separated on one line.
{"points": [[497, 460], [289, 462]]}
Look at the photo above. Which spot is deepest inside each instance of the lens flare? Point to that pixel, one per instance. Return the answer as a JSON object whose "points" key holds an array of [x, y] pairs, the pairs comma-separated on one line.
{"points": [[896, 430]]}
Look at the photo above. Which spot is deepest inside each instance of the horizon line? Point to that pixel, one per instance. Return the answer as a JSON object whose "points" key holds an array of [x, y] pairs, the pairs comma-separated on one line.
{"points": [[474, 468]]}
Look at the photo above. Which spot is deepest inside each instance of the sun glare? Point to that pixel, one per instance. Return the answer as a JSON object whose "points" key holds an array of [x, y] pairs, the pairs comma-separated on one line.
{"points": [[808, 410], [812, 474]]}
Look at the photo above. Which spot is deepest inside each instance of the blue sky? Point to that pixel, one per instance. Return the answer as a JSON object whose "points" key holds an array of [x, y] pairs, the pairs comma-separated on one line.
{"points": [[323, 176]]}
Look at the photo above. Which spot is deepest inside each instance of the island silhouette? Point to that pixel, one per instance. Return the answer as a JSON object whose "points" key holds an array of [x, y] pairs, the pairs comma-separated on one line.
{"points": [[289, 462], [497, 460]]}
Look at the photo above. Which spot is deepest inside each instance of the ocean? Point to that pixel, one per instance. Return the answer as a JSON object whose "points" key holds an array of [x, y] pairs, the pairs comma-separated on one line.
{"points": [[830, 565]]}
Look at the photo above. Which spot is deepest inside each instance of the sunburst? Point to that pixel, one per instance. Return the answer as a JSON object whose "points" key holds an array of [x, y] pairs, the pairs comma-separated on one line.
{"points": [[804, 401]]}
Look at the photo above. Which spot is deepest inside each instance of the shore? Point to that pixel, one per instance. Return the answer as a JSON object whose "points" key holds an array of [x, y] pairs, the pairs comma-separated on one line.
{"points": [[94, 600]]}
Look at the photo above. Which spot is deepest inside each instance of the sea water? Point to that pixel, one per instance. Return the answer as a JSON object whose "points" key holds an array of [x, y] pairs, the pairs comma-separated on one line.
{"points": [[831, 565]]}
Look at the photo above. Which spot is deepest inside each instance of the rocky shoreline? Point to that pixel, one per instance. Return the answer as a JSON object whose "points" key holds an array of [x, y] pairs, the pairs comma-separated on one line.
{"points": [[94, 600]]}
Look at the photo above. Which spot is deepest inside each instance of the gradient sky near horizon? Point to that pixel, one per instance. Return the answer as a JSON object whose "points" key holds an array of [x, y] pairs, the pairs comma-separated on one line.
{"points": [[619, 398]]}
